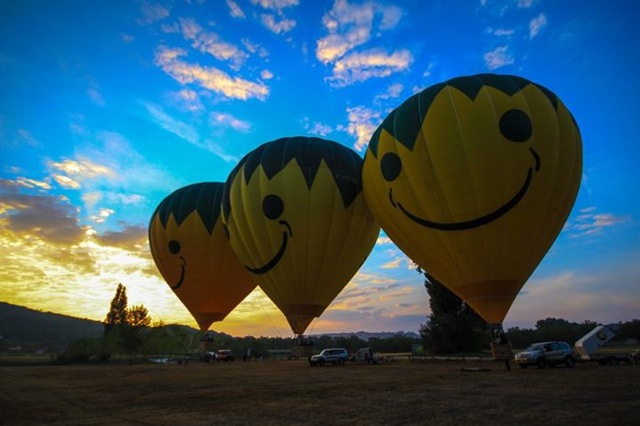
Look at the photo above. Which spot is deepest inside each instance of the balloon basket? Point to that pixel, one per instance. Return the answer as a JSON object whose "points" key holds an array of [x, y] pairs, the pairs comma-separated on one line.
{"points": [[501, 351]]}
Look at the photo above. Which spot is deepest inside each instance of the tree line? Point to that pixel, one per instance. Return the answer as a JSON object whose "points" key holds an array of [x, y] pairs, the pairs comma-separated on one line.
{"points": [[454, 327], [451, 328]]}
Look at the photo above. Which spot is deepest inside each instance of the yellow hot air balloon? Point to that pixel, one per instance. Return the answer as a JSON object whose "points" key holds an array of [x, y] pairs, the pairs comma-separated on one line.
{"points": [[191, 250], [473, 179], [298, 221]]}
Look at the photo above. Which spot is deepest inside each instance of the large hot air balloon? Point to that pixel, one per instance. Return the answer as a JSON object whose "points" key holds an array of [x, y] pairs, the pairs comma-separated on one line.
{"points": [[192, 252], [473, 179], [298, 221]]}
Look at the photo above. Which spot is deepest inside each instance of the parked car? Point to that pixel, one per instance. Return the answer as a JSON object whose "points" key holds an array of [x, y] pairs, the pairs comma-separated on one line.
{"points": [[547, 353], [329, 356], [225, 355]]}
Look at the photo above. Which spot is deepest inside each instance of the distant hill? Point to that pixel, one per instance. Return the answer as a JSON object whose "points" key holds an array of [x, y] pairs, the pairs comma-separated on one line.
{"points": [[28, 330], [366, 335]]}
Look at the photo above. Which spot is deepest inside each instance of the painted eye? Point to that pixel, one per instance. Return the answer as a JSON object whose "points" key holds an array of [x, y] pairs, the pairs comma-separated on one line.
{"points": [[272, 206], [391, 166], [174, 247], [515, 125]]}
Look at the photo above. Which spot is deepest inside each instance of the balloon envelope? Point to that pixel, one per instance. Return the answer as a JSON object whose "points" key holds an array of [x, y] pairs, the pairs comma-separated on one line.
{"points": [[192, 252], [473, 179], [298, 221]]}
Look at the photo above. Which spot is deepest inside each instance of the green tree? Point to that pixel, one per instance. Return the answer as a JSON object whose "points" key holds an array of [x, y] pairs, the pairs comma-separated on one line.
{"points": [[138, 316], [117, 315], [453, 326]]}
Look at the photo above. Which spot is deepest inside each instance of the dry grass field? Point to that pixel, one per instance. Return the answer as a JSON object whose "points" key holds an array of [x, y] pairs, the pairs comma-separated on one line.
{"points": [[292, 393]]}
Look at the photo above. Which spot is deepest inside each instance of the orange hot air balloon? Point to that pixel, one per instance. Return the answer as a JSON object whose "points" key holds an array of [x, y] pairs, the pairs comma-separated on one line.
{"points": [[473, 179], [298, 221], [191, 250]]}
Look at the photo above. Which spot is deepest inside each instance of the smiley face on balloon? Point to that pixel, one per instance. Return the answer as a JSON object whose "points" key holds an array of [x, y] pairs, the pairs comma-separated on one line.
{"points": [[473, 178], [297, 219], [193, 255]]}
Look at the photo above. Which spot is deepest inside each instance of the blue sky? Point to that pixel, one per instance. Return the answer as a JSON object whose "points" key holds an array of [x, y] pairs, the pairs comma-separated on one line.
{"points": [[108, 106]]}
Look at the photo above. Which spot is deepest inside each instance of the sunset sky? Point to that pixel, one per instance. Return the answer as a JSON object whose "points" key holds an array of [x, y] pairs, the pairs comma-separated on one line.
{"points": [[106, 107]]}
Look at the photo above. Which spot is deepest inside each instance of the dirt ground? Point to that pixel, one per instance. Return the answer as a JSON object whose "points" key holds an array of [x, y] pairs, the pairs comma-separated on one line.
{"points": [[292, 393]]}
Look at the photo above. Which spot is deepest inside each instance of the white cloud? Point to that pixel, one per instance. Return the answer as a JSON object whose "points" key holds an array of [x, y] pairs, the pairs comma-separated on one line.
{"points": [[102, 215], [277, 26], [276, 5], [209, 78], [32, 183], [502, 32], [276, 22], [65, 181], [350, 26], [536, 24], [360, 66], [254, 48], [362, 123], [498, 57], [208, 42], [316, 128], [588, 222], [228, 120], [393, 91], [383, 240]]}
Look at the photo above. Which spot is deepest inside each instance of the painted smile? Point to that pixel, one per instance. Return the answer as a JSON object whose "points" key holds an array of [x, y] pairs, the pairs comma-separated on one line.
{"points": [[483, 220], [179, 283], [275, 259]]}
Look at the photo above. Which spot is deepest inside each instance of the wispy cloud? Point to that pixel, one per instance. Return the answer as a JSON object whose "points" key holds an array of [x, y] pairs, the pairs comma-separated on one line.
{"points": [[227, 120], [152, 13], [498, 57], [525, 4], [32, 183], [188, 133], [393, 91], [22, 137], [234, 10], [536, 24], [589, 222], [209, 78], [187, 99], [502, 32], [361, 66]]}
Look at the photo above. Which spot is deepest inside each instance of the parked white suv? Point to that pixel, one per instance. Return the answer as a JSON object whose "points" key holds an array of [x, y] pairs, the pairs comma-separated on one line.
{"points": [[330, 356]]}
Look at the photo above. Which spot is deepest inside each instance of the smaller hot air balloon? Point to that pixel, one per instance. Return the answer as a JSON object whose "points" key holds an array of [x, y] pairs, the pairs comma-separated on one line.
{"points": [[473, 178], [191, 250], [298, 221]]}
